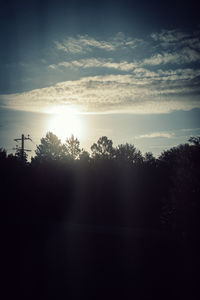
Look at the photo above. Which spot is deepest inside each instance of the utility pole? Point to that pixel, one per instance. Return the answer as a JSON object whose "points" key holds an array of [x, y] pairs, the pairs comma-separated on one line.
{"points": [[22, 150]]}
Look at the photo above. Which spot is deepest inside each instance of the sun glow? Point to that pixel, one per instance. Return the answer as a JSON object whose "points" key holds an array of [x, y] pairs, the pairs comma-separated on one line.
{"points": [[64, 121]]}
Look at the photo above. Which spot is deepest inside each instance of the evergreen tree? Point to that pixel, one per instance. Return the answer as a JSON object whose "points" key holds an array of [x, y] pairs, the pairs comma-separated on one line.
{"points": [[50, 148], [72, 147]]}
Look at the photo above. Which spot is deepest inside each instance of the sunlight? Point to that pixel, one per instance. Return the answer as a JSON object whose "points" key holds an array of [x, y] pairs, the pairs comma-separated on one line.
{"points": [[65, 121]]}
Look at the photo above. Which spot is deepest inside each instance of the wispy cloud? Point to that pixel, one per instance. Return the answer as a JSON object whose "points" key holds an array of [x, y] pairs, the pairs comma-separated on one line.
{"points": [[190, 129], [153, 135], [176, 38], [85, 43], [170, 36], [82, 44], [96, 63], [170, 74], [173, 47], [183, 56], [134, 68]]}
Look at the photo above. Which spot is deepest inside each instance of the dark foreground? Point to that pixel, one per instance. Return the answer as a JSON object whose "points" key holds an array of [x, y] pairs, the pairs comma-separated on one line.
{"points": [[46, 258], [62, 261]]}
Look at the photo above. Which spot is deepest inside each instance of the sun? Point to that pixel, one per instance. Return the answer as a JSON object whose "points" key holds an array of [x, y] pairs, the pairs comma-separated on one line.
{"points": [[64, 121]]}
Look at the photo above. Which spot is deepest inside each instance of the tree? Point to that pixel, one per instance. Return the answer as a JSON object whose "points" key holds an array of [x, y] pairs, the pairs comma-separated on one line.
{"points": [[84, 156], [177, 156], [103, 149], [128, 153], [149, 158], [21, 155], [72, 147], [50, 148], [183, 164], [3, 154], [195, 140]]}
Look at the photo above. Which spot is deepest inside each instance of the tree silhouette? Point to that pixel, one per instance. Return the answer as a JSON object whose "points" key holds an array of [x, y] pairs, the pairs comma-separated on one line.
{"points": [[183, 164], [72, 147], [149, 158], [138, 185], [128, 153], [195, 140], [3, 154], [49, 149], [21, 155], [84, 156], [103, 149]]}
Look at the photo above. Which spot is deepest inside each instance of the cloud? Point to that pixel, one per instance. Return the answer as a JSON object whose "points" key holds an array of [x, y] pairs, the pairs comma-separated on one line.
{"points": [[153, 135], [176, 38], [184, 56], [178, 75], [109, 93], [180, 48], [133, 67], [85, 43], [96, 63], [170, 36], [161, 76], [53, 66], [190, 129], [174, 47]]}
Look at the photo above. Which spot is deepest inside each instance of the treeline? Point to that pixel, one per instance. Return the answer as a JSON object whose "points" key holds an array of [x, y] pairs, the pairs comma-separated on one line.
{"points": [[111, 186]]}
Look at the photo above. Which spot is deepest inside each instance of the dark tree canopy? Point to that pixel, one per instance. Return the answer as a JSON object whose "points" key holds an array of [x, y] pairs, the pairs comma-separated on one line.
{"points": [[149, 158], [70, 216], [21, 155], [3, 154], [84, 156], [103, 149], [146, 188], [183, 167], [50, 148], [128, 153], [195, 140]]}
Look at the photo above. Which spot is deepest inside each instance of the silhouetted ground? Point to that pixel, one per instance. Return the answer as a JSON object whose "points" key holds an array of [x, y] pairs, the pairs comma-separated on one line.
{"points": [[142, 232], [66, 261]]}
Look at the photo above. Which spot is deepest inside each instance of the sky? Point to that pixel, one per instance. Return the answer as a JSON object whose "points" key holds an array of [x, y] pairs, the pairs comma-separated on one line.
{"points": [[129, 70]]}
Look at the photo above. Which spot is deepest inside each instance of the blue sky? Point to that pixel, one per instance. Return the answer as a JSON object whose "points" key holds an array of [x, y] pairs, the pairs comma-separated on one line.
{"points": [[130, 70]]}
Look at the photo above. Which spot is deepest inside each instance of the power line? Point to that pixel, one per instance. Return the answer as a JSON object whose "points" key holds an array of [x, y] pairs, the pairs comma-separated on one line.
{"points": [[21, 149]]}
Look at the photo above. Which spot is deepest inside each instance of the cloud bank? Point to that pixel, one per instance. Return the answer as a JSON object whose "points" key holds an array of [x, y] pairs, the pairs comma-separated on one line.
{"points": [[123, 93], [121, 74]]}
